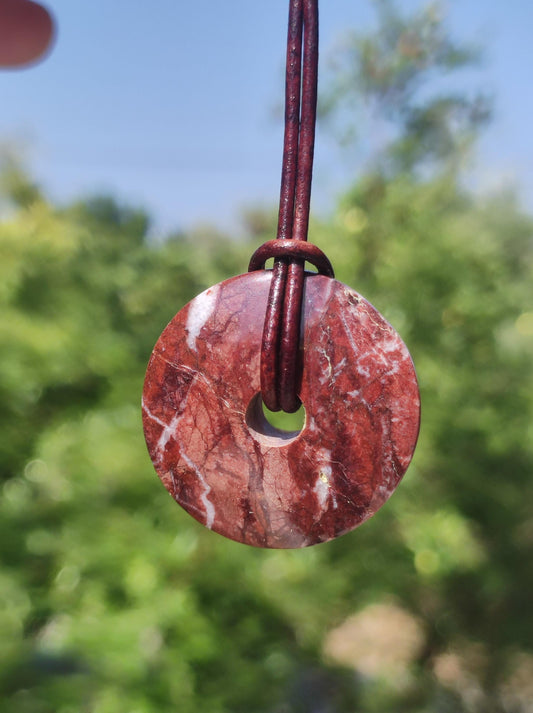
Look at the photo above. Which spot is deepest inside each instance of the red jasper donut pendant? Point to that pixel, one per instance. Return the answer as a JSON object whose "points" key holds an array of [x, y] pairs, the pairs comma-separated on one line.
{"points": [[228, 467]]}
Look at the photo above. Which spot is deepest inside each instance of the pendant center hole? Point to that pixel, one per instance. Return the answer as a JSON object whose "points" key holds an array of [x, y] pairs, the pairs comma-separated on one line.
{"points": [[273, 428]]}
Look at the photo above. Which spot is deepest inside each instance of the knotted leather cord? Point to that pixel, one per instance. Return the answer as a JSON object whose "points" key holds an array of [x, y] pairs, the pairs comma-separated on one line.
{"points": [[280, 351]]}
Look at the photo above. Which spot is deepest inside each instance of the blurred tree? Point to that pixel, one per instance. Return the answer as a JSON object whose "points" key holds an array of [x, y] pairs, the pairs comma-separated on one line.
{"points": [[115, 601], [394, 81], [453, 272]]}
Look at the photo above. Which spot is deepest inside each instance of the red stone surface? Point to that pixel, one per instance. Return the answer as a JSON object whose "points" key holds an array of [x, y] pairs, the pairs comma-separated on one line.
{"points": [[221, 460]]}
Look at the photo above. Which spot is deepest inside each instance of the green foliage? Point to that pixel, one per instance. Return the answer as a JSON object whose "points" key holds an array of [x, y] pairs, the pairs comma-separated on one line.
{"points": [[396, 76], [115, 601]]}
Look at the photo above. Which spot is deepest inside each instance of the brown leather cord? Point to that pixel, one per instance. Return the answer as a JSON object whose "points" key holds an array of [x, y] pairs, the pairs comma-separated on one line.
{"points": [[302, 251], [281, 335]]}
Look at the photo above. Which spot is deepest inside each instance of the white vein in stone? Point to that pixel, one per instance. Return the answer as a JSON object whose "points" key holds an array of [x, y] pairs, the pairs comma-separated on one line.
{"points": [[322, 487], [208, 505], [168, 432], [200, 309]]}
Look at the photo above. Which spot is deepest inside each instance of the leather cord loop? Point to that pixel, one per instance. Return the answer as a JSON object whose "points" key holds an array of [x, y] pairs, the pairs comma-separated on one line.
{"points": [[280, 368], [291, 249]]}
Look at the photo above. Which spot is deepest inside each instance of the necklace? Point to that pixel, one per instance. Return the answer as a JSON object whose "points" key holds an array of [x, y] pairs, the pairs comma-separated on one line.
{"points": [[283, 337]]}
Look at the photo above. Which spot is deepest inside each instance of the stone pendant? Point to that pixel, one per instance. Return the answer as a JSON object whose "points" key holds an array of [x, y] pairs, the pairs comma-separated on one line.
{"points": [[222, 461]]}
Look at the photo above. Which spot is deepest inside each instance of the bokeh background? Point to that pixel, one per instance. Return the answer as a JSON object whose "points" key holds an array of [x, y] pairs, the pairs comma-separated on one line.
{"points": [[140, 164]]}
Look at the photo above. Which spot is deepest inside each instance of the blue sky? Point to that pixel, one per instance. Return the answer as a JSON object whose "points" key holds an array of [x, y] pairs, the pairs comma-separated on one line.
{"points": [[170, 105]]}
